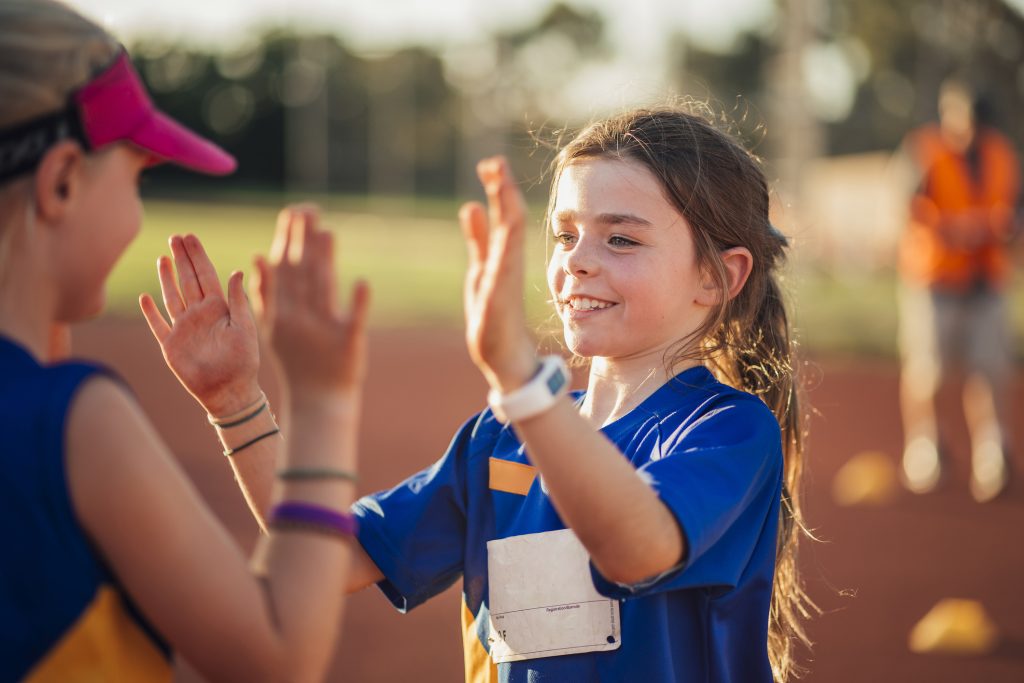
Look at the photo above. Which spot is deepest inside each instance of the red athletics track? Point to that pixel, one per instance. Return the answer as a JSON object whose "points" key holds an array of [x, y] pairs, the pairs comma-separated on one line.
{"points": [[876, 572]]}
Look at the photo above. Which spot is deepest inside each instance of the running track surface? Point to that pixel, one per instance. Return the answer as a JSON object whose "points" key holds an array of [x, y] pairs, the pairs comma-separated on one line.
{"points": [[875, 573]]}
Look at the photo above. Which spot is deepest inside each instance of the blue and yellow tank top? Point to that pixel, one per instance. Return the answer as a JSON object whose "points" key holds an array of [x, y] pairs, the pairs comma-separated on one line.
{"points": [[63, 615]]}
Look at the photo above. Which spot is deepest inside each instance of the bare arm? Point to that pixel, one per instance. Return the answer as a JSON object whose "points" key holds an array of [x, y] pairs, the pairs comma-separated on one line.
{"points": [[180, 565], [213, 350], [255, 469], [279, 620], [630, 534]]}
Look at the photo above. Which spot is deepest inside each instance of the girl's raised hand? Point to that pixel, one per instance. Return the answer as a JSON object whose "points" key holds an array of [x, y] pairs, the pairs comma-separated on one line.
{"points": [[322, 349], [496, 332], [209, 341]]}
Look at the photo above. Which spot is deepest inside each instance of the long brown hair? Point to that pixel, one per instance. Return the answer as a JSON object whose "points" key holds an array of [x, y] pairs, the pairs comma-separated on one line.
{"points": [[718, 186]]}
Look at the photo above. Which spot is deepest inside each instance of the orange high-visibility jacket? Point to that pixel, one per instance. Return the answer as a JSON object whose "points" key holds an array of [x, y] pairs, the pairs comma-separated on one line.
{"points": [[949, 189]]}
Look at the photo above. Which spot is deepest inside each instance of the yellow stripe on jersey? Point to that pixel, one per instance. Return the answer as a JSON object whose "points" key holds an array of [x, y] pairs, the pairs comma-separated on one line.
{"points": [[479, 666], [105, 644], [511, 477]]}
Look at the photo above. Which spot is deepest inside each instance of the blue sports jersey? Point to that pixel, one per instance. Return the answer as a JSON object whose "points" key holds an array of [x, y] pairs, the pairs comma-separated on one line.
{"points": [[63, 616], [714, 456]]}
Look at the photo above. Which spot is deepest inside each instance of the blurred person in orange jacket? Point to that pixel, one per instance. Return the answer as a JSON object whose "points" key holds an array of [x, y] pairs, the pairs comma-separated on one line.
{"points": [[955, 266]]}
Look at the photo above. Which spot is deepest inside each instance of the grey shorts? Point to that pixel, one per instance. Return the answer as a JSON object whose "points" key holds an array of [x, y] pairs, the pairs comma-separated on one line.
{"points": [[941, 330]]}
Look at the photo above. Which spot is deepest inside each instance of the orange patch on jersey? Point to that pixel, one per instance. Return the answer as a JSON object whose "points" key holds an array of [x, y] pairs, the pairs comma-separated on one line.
{"points": [[511, 477]]}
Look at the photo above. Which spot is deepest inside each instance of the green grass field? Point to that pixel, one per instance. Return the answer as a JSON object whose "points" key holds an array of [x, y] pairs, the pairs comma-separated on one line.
{"points": [[415, 265]]}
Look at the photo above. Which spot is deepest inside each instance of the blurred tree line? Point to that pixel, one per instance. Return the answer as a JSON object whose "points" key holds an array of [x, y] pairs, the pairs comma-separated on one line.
{"points": [[304, 112]]}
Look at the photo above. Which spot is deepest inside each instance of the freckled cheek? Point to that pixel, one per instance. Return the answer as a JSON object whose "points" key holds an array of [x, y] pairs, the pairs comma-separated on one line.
{"points": [[556, 276]]}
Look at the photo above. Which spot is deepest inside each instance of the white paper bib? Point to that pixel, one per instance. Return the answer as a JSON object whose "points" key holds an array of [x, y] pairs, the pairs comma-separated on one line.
{"points": [[542, 599]]}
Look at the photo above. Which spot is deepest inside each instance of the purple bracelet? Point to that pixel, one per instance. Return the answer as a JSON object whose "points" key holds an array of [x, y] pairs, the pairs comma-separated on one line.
{"points": [[295, 515]]}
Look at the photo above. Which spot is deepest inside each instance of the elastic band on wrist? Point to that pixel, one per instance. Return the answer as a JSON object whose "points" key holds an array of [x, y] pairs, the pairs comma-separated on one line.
{"points": [[242, 420], [299, 516], [314, 473], [223, 420], [232, 451]]}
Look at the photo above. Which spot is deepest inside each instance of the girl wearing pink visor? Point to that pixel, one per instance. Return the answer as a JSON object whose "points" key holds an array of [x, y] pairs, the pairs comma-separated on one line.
{"points": [[112, 560]]}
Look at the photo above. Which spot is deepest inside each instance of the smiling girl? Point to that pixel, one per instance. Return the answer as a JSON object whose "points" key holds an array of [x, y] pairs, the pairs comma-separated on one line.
{"points": [[646, 528]]}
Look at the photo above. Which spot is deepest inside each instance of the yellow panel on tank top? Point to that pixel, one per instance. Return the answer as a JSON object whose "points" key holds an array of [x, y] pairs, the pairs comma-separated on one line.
{"points": [[105, 645]]}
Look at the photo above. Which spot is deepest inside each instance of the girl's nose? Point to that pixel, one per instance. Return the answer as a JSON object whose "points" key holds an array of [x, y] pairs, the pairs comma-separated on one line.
{"points": [[581, 261]]}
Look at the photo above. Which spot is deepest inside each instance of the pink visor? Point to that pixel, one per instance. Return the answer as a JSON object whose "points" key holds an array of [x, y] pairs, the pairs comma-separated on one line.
{"points": [[115, 106]]}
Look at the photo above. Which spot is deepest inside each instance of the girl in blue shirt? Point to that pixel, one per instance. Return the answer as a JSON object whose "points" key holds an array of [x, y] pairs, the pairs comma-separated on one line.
{"points": [[646, 528]]}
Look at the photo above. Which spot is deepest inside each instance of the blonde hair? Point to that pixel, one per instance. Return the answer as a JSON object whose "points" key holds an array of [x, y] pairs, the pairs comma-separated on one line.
{"points": [[718, 186], [47, 50]]}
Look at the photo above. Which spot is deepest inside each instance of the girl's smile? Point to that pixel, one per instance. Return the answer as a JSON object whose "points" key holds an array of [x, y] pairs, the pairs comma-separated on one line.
{"points": [[578, 305]]}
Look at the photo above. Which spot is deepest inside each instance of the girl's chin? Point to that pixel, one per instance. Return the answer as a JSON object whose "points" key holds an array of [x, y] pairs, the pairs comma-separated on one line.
{"points": [[83, 309], [583, 347]]}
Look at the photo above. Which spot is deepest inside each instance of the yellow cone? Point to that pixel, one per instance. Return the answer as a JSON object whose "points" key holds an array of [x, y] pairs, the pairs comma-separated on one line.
{"points": [[868, 478], [955, 626]]}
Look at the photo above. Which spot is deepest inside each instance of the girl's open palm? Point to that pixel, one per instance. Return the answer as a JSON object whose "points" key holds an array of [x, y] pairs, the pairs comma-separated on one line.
{"points": [[209, 341], [321, 348], [495, 317]]}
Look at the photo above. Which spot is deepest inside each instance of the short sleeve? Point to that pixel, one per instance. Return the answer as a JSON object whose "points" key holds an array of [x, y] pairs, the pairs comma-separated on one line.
{"points": [[415, 532], [720, 476]]}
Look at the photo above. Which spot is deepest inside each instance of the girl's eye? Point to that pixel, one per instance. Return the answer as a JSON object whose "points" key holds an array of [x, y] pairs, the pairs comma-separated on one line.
{"points": [[565, 238], [620, 241]]}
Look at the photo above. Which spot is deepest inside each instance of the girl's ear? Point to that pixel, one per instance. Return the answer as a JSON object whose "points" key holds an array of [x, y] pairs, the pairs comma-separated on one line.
{"points": [[57, 180], [737, 263]]}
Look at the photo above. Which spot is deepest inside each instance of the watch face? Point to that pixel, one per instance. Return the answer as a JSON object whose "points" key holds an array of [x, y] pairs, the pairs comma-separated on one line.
{"points": [[556, 381]]}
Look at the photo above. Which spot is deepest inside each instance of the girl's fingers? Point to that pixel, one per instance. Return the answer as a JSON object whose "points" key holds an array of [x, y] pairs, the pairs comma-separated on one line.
{"points": [[504, 200], [260, 288], [507, 213], [325, 277], [292, 252], [473, 220], [299, 229], [157, 325], [238, 305], [173, 304], [505, 267], [188, 282], [359, 307], [206, 274], [282, 235], [305, 226]]}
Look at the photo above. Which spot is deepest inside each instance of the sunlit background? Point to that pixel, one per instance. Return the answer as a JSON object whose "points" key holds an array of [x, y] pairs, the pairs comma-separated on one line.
{"points": [[384, 107], [378, 110]]}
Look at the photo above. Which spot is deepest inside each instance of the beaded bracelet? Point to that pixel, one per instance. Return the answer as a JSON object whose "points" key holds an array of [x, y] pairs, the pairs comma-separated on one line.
{"points": [[299, 516]]}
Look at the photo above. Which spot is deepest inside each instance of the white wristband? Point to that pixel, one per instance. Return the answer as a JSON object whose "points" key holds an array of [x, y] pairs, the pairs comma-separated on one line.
{"points": [[540, 393]]}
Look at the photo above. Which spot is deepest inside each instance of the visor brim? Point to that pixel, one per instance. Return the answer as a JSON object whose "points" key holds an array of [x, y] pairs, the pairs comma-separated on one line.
{"points": [[169, 141]]}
